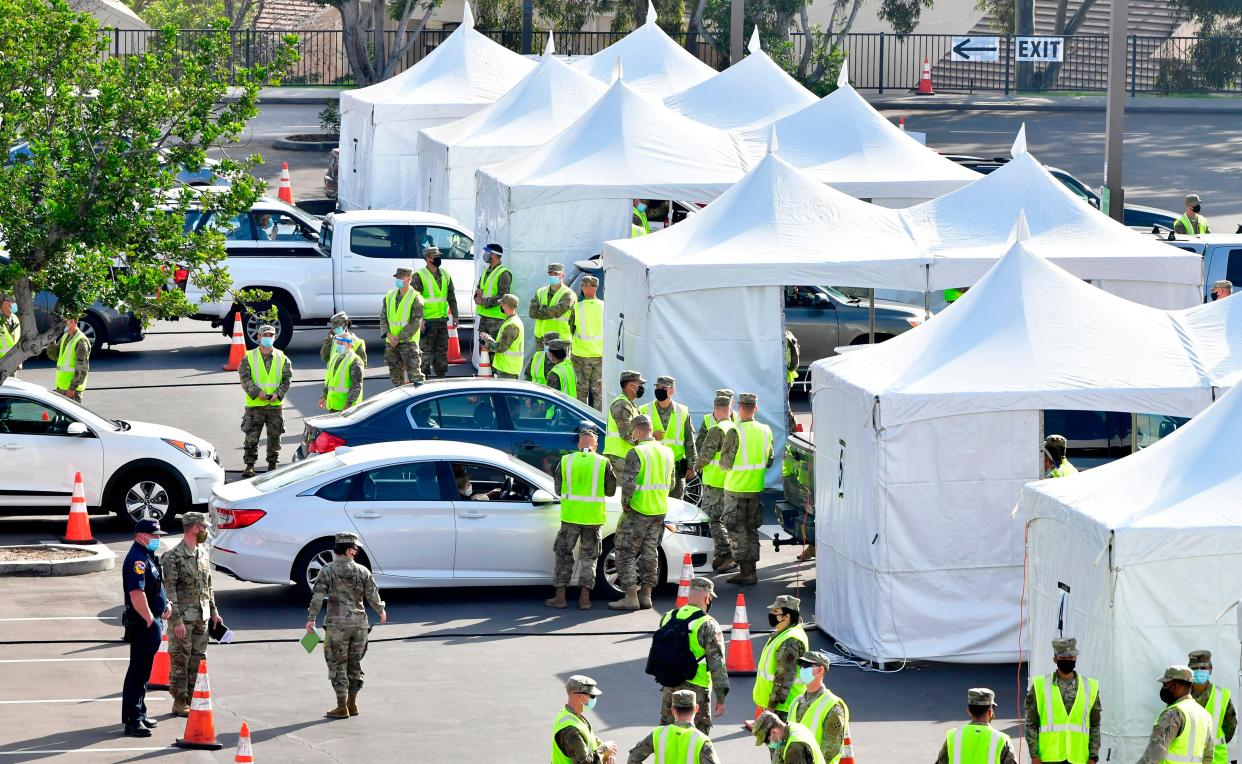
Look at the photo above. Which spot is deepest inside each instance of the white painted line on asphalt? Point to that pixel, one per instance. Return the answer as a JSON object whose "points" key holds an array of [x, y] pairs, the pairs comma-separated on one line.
{"points": [[155, 696], [34, 751], [65, 618], [57, 660]]}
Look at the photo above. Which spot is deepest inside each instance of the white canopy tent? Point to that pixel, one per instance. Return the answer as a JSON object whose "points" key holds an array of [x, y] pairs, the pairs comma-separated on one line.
{"points": [[755, 91], [536, 109], [655, 64], [1150, 548], [380, 124], [1217, 331], [940, 428]]}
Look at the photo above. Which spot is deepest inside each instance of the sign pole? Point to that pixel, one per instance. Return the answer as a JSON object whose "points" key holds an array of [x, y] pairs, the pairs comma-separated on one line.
{"points": [[1115, 116], [737, 20]]}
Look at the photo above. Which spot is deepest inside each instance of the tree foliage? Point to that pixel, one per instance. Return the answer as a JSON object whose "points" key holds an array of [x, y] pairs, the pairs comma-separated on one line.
{"points": [[373, 54], [91, 211], [198, 14]]}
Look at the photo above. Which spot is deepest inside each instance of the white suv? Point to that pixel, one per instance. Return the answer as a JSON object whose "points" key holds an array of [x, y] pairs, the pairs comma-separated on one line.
{"points": [[136, 469]]}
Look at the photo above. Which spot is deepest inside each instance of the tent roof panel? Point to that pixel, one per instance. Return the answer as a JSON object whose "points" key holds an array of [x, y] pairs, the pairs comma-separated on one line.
{"points": [[653, 63], [753, 91]]}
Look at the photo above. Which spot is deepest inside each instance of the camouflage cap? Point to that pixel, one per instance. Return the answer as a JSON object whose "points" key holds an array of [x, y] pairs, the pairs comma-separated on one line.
{"points": [[509, 299], [666, 381], [816, 658], [1192, 200], [587, 426], [684, 699], [583, 684], [432, 251], [722, 400], [266, 329], [345, 537], [726, 392], [787, 602], [704, 583], [556, 268], [1223, 284], [1176, 674], [632, 376], [193, 518], [748, 399], [1056, 440], [340, 318], [980, 696], [763, 725], [590, 281], [1065, 648], [1200, 658], [403, 273], [556, 344], [549, 336], [642, 420]]}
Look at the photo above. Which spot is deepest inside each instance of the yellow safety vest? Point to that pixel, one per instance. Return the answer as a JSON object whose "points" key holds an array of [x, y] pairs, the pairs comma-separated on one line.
{"points": [[675, 433], [1218, 702], [547, 298], [766, 674], [567, 718], [588, 336], [489, 285], [537, 363], [399, 313], [339, 378], [435, 295], [67, 362], [1064, 470], [1064, 735], [675, 744], [975, 744], [509, 360], [643, 228], [655, 473], [1192, 229], [702, 677], [796, 733], [569, 381], [9, 339], [713, 473], [1189, 745], [812, 716], [582, 488], [614, 444], [266, 380], [751, 461]]}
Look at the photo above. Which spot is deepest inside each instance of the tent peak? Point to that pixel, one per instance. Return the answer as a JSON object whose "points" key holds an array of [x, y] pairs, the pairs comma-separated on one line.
{"points": [[843, 79], [772, 146], [1019, 142], [550, 48], [754, 46], [1021, 231], [651, 13], [467, 16], [617, 70]]}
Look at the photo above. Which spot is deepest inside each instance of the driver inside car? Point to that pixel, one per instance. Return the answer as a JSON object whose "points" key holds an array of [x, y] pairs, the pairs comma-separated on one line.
{"points": [[466, 489]]}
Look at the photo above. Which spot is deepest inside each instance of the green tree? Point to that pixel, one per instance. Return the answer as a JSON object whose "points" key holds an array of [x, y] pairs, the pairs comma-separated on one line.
{"points": [[91, 211], [815, 63], [198, 14], [364, 32]]}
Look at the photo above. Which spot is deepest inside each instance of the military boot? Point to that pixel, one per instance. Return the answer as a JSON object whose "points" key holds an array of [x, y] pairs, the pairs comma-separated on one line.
{"points": [[181, 708], [558, 601], [352, 703], [644, 598], [249, 471], [746, 576], [271, 466], [341, 711], [725, 565], [584, 599], [628, 602]]}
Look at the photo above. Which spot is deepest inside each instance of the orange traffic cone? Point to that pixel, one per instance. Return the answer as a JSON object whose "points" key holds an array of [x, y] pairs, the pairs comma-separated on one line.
{"points": [[79, 528], [454, 342], [237, 350], [286, 187], [740, 657], [847, 750], [200, 728], [687, 573], [901, 121], [485, 363], [160, 666], [244, 755], [925, 84]]}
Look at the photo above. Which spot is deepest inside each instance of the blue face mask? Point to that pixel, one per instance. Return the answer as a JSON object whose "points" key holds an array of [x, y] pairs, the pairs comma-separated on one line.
{"points": [[590, 704], [1201, 675], [338, 348], [554, 280], [774, 744], [641, 207], [398, 283], [806, 675], [153, 545], [267, 342], [338, 330]]}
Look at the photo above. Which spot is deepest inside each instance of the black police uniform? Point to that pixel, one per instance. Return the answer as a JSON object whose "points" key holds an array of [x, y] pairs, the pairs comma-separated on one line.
{"points": [[141, 572]]}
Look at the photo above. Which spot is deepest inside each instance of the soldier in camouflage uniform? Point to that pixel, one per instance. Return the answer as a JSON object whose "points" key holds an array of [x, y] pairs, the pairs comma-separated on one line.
{"points": [[709, 441], [345, 585], [339, 394], [981, 705], [793, 742], [1064, 681], [509, 340], [264, 408], [1176, 693], [685, 709], [831, 726], [621, 412], [538, 365], [337, 325], [587, 346], [583, 535], [1204, 694], [638, 533], [713, 678], [573, 740], [661, 411], [187, 580], [777, 685], [401, 321], [495, 282], [72, 356], [436, 313], [551, 305], [744, 508]]}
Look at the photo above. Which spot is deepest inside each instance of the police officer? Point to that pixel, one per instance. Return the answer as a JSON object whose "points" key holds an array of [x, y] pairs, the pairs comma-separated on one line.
{"points": [[10, 326], [72, 356], [573, 740], [345, 585], [439, 303], [777, 684], [791, 743], [1183, 731], [618, 440], [338, 325], [265, 374], [537, 366], [342, 380], [586, 325], [677, 740], [1216, 700], [707, 646], [1192, 223], [495, 282], [187, 579], [561, 372], [745, 457], [507, 347], [818, 709], [710, 439], [1055, 463], [645, 481], [145, 602], [1059, 706], [977, 742], [583, 482], [672, 426], [552, 305]]}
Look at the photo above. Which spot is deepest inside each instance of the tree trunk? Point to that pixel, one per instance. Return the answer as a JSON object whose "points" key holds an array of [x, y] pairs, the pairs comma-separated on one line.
{"points": [[353, 36], [379, 15], [1024, 24], [1048, 77], [31, 342]]}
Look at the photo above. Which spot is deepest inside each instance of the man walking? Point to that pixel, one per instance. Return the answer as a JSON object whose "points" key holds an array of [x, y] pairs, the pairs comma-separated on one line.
{"points": [[265, 375], [745, 456], [645, 481], [619, 439], [586, 324], [495, 282], [678, 740], [187, 579], [707, 646], [342, 380], [1217, 701], [573, 740], [552, 305], [338, 325], [671, 425], [401, 324], [345, 585], [977, 742], [439, 303], [72, 356], [1063, 711], [145, 601], [507, 347], [818, 709], [583, 482], [716, 426]]}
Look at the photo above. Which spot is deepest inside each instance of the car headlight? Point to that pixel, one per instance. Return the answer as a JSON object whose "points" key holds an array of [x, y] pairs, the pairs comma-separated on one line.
{"points": [[689, 529], [189, 449]]}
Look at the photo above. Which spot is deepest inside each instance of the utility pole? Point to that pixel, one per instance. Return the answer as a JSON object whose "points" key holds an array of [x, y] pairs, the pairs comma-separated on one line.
{"points": [[737, 19], [528, 23], [1112, 200]]}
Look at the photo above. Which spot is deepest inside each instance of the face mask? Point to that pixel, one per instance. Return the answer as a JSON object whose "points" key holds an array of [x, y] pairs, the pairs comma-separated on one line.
{"points": [[590, 704], [774, 744], [806, 675], [1201, 675], [641, 207], [773, 620], [341, 348], [398, 283], [554, 280], [267, 342], [153, 544], [639, 392], [467, 489], [202, 537], [1066, 666], [338, 330], [435, 261], [1166, 696], [661, 394]]}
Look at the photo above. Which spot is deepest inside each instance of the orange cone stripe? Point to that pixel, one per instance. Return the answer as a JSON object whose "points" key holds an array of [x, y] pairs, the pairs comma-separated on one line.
{"points": [[244, 753]]}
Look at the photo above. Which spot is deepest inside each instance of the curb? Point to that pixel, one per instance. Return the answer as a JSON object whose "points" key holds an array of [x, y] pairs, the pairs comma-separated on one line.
{"points": [[1144, 106], [287, 145], [102, 559]]}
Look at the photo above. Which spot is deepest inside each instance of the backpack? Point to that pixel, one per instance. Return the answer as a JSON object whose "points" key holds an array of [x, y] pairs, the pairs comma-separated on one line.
{"points": [[670, 660]]}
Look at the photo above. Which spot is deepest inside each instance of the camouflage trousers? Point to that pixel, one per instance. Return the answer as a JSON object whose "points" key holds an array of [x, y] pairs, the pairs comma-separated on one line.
{"points": [[714, 508], [589, 375], [638, 549], [434, 346], [743, 515], [343, 649], [404, 363], [503, 374], [678, 489], [586, 538], [702, 720], [253, 423], [184, 655]]}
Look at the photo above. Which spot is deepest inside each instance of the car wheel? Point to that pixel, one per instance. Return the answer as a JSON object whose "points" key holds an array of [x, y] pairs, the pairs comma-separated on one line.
{"points": [[312, 560], [147, 494], [694, 491], [606, 569], [94, 330], [252, 319]]}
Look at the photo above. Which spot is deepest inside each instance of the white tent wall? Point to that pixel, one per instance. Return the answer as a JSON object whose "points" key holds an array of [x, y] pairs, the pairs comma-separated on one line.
{"points": [[355, 154], [1154, 294], [432, 187], [1217, 330]]}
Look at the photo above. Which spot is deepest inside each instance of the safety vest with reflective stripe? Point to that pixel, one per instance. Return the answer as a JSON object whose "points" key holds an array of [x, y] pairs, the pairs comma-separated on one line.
{"points": [[1064, 735], [489, 285], [1064, 470], [702, 677], [547, 298], [267, 380], [67, 361], [709, 420], [751, 460], [643, 227], [435, 296], [614, 444], [1218, 701], [537, 363], [1188, 746], [588, 336], [9, 338], [569, 381], [812, 717], [339, 377], [796, 733], [790, 374], [1191, 228], [765, 676], [582, 488], [399, 312], [675, 432], [567, 718], [713, 473], [675, 744], [655, 474], [975, 744], [509, 360]]}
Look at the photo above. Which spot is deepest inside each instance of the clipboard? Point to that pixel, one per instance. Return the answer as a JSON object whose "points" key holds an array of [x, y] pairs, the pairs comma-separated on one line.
{"points": [[310, 640]]}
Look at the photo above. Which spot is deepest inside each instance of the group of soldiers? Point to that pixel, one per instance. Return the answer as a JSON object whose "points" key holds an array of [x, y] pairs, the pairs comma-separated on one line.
{"points": [[71, 353]]}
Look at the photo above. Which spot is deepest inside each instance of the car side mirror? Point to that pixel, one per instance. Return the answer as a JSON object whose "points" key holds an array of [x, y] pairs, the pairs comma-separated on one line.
{"points": [[542, 498], [77, 429]]}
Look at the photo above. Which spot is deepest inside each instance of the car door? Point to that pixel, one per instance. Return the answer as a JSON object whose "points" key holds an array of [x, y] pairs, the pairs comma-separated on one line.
{"points": [[279, 234], [369, 257], [469, 417], [404, 519], [454, 247], [812, 317], [542, 428], [501, 533], [38, 457]]}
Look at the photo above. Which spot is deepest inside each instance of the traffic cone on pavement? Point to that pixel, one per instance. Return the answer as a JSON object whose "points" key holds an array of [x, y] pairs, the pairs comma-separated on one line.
{"points": [[687, 573], [200, 728], [286, 187], [901, 122], [485, 363], [237, 350], [925, 83], [740, 657], [244, 754], [79, 529], [847, 750], [160, 666], [454, 342]]}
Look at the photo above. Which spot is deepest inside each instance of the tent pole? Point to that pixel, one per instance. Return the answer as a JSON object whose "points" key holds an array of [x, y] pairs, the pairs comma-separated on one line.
{"points": [[926, 292], [871, 316]]}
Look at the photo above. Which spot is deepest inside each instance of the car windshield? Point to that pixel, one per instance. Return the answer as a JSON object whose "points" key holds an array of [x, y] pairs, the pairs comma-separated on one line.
{"points": [[297, 471], [838, 295]]}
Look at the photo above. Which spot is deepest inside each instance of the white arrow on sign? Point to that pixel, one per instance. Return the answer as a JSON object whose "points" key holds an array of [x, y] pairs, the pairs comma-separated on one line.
{"points": [[983, 49], [1045, 49]]}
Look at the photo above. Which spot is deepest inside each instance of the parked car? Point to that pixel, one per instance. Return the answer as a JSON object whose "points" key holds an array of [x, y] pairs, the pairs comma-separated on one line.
{"points": [[101, 324], [824, 319], [330, 175], [1221, 252], [136, 469], [417, 527]]}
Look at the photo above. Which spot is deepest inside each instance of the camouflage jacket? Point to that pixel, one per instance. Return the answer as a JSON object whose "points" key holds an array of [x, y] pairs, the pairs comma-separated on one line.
{"points": [[252, 390], [786, 672], [629, 475], [187, 581], [503, 284], [355, 381], [412, 325], [81, 359], [1006, 753], [508, 336], [645, 748], [623, 410], [832, 732], [570, 743], [345, 585], [1228, 719], [687, 433], [1069, 691], [450, 296], [1168, 726], [540, 311], [610, 478]]}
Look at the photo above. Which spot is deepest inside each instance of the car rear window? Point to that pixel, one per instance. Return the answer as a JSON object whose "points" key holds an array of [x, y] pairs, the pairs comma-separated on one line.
{"points": [[289, 474]]}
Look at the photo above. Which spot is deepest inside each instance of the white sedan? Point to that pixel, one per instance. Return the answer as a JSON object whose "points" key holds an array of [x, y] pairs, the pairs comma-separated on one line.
{"points": [[417, 528]]}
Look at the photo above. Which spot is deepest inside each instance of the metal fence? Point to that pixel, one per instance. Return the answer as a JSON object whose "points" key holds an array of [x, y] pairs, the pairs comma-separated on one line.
{"points": [[877, 61]]}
